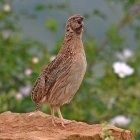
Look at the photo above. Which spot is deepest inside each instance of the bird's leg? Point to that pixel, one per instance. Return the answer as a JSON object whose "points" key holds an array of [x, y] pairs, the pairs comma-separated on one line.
{"points": [[63, 121], [52, 115], [60, 115]]}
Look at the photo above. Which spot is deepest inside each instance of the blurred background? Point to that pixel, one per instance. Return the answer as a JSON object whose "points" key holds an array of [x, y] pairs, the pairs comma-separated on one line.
{"points": [[31, 34]]}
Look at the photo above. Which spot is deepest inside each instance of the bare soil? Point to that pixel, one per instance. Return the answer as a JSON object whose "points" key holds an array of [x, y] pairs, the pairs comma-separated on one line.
{"points": [[38, 126]]}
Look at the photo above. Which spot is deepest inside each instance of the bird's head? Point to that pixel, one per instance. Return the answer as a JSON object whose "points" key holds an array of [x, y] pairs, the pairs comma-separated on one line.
{"points": [[75, 24]]}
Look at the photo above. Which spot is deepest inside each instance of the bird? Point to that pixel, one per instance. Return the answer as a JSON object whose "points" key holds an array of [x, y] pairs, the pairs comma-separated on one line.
{"points": [[59, 81]]}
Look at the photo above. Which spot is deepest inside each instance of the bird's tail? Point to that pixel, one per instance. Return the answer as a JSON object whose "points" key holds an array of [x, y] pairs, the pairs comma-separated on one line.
{"points": [[37, 107]]}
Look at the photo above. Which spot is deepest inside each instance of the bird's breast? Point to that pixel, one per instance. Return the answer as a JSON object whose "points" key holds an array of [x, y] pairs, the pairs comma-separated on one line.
{"points": [[79, 67], [76, 75]]}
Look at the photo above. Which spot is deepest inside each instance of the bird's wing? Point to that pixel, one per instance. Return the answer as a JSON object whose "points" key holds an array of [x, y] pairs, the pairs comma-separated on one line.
{"points": [[61, 74], [54, 72], [38, 90]]}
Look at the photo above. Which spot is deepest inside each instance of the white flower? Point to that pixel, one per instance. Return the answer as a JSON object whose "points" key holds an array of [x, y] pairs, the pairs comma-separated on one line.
{"points": [[126, 54], [6, 7], [120, 120], [52, 57], [122, 69], [25, 90], [35, 60], [28, 72], [19, 96], [5, 35]]}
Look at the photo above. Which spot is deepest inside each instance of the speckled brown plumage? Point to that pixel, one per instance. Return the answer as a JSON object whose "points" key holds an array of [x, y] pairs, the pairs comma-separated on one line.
{"points": [[61, 79]]}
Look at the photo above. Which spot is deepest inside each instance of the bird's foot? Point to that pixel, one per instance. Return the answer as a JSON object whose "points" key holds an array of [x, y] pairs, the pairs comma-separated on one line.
{"points": [[53, 122], [65, 122]]}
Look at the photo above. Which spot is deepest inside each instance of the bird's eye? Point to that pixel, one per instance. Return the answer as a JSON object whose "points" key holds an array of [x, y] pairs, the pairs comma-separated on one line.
{"points": [[68, 30], [79, 22]]}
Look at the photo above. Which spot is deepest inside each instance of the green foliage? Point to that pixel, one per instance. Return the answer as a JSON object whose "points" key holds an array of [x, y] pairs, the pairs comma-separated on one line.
{"points": [[51, 24], [40, 7], [115, 38], [106, 134]]}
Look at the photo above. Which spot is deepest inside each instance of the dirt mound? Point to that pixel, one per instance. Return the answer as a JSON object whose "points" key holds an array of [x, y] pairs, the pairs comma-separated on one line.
{"points": [[24, 126]]}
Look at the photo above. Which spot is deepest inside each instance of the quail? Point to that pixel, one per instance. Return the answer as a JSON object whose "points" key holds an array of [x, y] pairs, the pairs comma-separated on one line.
{"points": [[59, 81]]}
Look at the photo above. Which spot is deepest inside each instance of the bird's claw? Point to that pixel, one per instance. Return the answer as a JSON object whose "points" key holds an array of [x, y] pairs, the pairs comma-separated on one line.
{"points": [[65, 122], [53, 122]]}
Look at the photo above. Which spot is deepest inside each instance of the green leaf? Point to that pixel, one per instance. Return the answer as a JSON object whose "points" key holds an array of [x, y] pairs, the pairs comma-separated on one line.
{"points": [[40, 7], [51, 24]]}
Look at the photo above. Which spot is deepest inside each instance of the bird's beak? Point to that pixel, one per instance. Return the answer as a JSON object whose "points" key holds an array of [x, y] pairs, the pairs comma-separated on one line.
{"points": [[82, 23]]}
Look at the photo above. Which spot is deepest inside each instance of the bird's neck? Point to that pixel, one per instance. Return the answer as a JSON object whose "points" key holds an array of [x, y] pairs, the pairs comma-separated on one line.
{"points": [[72, 37], [72, 42]]}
